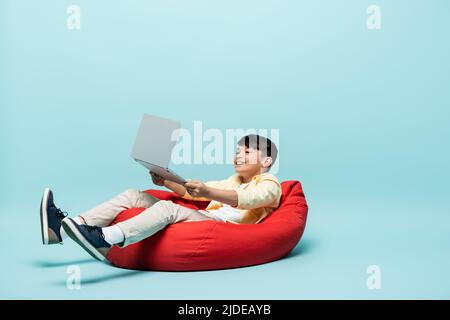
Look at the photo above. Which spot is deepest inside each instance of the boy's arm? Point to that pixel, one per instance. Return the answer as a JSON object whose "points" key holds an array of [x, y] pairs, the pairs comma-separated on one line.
{"points": [[266, 193], [229, 197], [198, 189], [175, 187]]}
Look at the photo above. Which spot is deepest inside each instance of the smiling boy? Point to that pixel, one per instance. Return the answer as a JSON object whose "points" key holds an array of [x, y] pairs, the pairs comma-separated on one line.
{"points": [[246, 197]]}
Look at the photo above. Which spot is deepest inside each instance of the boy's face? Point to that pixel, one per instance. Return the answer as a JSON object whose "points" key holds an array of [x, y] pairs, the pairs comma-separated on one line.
{"points": [[248, 161]]}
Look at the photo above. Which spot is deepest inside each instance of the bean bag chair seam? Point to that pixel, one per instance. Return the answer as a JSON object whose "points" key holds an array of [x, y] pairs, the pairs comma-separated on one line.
{"points": [[206, 235]]}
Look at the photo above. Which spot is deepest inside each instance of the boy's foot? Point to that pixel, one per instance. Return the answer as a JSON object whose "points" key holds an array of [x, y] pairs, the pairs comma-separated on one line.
{"points": [[90, 238], [51, 218]]}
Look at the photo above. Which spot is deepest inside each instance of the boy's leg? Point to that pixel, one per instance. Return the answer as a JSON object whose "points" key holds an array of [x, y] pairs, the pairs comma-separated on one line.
{"points": [[157, 218], [98, 241], [105, 213]]}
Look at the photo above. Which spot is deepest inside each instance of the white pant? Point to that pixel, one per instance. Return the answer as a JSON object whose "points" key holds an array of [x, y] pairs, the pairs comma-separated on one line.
{"points": [[157, 216]]}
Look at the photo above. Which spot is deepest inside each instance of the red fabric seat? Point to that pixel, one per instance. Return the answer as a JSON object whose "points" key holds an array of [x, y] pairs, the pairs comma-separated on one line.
{"points": [[209, 245]]}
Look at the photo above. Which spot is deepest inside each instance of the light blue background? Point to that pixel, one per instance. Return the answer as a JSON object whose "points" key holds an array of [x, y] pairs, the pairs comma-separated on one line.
{"points": [[363, 118]]}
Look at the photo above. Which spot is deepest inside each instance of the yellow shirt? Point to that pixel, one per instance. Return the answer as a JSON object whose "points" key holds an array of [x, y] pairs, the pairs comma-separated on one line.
{"points": [[256, 199]]}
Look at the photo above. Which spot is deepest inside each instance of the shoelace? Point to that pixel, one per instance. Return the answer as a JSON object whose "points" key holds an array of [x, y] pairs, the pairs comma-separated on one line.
{"points": [[95, 229], [91, 228], [61, 214]]}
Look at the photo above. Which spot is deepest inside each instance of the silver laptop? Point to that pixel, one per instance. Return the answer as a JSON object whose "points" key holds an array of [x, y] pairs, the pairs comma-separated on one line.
{"points": [[154, 143]]}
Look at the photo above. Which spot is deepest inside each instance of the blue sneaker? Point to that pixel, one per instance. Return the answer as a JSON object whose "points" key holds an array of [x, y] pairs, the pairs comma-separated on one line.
{"points": [[51, 218], [90, 238]]}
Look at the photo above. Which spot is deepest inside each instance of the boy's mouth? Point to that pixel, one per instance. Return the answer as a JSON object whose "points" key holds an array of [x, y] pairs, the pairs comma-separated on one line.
{"points": [[239, 163]]}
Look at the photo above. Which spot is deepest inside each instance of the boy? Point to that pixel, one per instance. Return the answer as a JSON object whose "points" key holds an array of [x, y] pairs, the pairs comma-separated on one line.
{"points": [[246, 197]]}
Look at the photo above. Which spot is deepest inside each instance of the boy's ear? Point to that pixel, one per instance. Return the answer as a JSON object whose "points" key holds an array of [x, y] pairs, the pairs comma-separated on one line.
{"points": [[267, 162]]}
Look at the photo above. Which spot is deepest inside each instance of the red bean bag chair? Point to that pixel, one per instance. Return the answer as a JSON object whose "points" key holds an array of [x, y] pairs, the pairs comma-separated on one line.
{"points": [[209, 245]]}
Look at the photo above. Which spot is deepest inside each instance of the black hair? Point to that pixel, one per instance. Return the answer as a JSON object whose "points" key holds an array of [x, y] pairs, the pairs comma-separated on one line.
{"points": [[265, 145]]}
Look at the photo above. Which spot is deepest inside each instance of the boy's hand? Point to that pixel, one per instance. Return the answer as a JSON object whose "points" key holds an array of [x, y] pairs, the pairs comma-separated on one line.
{"points": [[157, 179], [197, 188]]}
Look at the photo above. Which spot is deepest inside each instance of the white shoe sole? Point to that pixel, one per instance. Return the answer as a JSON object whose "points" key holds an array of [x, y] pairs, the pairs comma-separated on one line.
{"points": [[75, 235], [44, 216]]}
